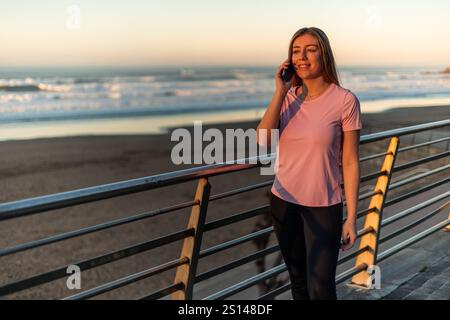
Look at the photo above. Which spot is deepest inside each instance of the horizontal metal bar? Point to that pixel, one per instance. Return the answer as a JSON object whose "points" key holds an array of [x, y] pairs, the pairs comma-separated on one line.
{"points": [[410, 210], [127, 280], [247, 283], [164, 292], [365, 212], [352, 255], [94, 262], [371, 176], [413, 224], [420, 161], [235, 242], [240, 190], [350, 273], [236, 263], [87, 230], [403, 166], [423, 144], [417, 177], [402, 245], [403, 131], [276, 292], [403, 149], [235, 218], [416, 192], [365, 196], [364, 231], [374, 156], [9, 210], [370, 194]]}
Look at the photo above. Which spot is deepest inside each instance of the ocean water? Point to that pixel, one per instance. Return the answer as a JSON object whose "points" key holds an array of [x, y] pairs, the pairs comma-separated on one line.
{"points": [[43, 95]]}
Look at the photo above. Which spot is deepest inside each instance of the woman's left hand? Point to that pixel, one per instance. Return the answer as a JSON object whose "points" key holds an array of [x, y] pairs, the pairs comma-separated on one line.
{"points": [[348, 234]]}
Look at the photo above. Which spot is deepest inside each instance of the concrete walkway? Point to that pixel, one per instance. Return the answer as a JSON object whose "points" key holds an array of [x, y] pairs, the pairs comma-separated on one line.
{"points": [[421, 272]]}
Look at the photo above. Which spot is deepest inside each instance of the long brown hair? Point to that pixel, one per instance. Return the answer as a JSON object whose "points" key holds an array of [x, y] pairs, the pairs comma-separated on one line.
{"points": [[327, 59]]}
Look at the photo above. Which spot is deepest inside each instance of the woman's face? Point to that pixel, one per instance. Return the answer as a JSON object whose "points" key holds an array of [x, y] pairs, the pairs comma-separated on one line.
{"points": [[306, 57]]}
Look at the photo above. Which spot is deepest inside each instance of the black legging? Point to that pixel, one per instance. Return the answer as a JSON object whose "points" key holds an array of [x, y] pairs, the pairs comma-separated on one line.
{"points": [[309, 239]]}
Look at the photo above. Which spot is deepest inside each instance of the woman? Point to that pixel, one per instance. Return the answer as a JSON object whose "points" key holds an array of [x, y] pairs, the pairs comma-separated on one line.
{"points": [[318, 121]]}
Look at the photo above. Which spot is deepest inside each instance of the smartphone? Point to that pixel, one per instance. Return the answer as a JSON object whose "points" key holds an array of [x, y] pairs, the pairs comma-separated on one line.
{"points": [[288, 73]]}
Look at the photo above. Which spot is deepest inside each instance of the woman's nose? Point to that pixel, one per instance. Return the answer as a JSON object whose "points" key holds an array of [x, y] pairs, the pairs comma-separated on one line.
{"points": [[303, 55]]}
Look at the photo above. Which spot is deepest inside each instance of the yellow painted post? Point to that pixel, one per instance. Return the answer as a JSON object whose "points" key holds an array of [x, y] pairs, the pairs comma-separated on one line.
{"points": [[373, 219], [191, 245]]}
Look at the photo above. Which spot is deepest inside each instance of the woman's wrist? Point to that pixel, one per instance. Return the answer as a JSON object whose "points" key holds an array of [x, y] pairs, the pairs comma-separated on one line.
{"points": [[351, 219], [280, 92]]}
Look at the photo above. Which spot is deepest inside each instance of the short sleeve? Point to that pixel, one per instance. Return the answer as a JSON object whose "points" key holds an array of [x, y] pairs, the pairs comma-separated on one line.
{"points": [[351, 115], [289, 108]]}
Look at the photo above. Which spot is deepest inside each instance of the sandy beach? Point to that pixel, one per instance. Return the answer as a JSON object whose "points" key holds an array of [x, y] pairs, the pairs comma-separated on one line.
{"points": [[37, 167]]}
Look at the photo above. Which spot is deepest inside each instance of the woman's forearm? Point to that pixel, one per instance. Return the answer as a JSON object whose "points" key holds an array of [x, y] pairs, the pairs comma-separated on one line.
{"points": [[351, 174], [272, 115]]}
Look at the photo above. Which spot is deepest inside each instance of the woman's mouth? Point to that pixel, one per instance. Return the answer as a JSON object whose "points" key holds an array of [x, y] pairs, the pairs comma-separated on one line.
{"points": [[303, 66]]}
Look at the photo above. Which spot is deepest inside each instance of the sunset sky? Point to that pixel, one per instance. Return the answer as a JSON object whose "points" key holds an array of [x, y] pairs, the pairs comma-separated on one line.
{"points": [[209, 32]]}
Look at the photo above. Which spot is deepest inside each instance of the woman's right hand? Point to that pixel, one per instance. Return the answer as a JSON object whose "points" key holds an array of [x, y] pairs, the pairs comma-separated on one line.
{"points": [[281, 86]]}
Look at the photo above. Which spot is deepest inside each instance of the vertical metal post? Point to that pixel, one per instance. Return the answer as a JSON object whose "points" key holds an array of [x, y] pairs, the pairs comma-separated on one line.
{"points": [[191, 245], [373, 219]]}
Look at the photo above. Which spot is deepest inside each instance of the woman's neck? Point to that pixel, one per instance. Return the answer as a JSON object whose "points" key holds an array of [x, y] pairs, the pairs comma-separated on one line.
{"points": [[312, 88]]}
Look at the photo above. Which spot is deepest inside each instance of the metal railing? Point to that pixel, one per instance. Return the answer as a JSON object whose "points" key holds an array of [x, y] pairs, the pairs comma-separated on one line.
{"points": [[186, 276]]}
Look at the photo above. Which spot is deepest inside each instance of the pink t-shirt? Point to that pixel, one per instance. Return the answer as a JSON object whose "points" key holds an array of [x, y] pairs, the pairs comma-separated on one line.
{"points": [[307, 166]]}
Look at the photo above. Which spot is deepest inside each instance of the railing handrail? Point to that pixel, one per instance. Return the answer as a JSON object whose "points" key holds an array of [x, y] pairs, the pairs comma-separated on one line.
{"points": [[60, 200], [403, 131]]}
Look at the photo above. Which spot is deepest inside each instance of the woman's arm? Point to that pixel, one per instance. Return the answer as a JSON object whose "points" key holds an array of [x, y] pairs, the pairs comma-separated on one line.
{"points": [[351, 175], [272, 115]]}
